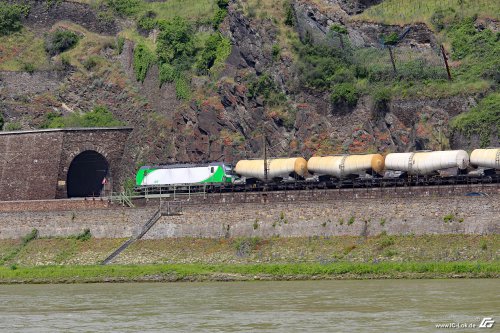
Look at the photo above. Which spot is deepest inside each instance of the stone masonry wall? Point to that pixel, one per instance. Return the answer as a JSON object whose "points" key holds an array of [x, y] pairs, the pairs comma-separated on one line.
{"points": [[410, 215], [28, 165], [34, 164]]}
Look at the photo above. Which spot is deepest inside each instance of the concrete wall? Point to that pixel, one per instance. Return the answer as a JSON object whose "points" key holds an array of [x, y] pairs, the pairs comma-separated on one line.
{"points": [[410, 215], [34, 164]]}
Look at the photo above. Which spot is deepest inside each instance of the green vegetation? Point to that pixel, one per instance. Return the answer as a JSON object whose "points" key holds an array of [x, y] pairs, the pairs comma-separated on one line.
{"points": [[190, 272], [220, 13], [180, 51], [125, 7], [215, 52], [14, 251], [289, 15], [10, 17], [255, 224], [478, 51], [415, 11], [84, 236], [265, 87], [244, 246], [60, 41], [481, 120], [344, 94], [120, 42], [143, 59], [351, 220], [386, 241], [449, 217], [1, 121], [21, 49], [12, 126], [100, 116]]}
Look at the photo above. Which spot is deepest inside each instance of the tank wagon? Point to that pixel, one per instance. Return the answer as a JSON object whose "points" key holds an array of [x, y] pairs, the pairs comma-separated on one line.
{"points": [[422, 168], [345, 165], [427, 162], [184, 174], [278, 169], [486, 158]]}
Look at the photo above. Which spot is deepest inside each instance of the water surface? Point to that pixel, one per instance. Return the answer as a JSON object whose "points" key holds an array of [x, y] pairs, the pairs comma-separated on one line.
{"points": [[295, 306]]}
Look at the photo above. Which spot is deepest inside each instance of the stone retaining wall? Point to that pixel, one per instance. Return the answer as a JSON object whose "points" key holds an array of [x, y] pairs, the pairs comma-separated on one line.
{"points": [[410, 215]]}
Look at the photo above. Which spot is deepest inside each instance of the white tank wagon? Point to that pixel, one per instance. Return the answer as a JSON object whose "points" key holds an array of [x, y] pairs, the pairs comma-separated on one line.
{"points": [[277, 168], [486, 158], [428, 162], [343, 165]]}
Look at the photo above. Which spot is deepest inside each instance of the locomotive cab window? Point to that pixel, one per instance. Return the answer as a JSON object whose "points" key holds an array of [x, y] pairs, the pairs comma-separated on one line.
{"points": [[211, 169]]}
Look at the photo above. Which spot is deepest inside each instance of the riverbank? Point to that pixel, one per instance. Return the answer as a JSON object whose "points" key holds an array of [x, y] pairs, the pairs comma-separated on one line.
{"points": [[228, 272], [77, 259]]}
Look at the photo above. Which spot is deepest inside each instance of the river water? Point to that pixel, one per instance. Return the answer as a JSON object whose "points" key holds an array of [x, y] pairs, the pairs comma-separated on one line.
{"points": [[295, 306]]}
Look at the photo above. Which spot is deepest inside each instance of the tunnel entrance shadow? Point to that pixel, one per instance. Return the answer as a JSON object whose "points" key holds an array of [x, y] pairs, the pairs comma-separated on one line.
{"points": [[86, 174]]}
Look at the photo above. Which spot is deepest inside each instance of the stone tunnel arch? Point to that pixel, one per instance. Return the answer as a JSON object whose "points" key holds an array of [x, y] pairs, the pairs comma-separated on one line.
{"points": [[86, 174]]}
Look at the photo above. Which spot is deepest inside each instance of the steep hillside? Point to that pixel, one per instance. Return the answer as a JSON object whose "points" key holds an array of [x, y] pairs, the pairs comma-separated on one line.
{"points": [[205, 80]]}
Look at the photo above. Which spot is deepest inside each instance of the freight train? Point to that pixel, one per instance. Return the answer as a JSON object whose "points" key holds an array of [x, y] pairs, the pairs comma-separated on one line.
{"points": [[421, 167]]}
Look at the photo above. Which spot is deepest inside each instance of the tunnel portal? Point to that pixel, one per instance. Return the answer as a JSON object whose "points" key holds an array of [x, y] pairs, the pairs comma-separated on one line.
{"points": [[87, 175]]}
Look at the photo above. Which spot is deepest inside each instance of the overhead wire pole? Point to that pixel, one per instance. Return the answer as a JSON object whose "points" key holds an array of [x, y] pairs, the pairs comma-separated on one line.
{"points": [[266, 169]]}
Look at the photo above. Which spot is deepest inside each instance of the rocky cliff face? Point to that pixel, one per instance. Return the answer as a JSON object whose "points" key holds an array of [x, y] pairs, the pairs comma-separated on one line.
{"points": [[224, 120]]}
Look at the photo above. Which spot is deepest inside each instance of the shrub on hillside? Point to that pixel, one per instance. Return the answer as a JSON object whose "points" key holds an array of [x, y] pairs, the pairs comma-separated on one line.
{"points": [[480, 120], [344, 94], [10, 17], [60, 41], [98, 117], [124, 7], [143, 59], [175, 44], [215, 50]]}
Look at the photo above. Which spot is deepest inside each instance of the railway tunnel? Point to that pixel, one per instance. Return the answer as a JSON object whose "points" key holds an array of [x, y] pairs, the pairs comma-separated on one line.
{"points": [[60, 163], [87, 174]]}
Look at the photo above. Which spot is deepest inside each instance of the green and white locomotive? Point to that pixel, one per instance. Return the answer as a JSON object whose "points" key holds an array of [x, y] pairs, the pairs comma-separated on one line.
{"points": [[216, 173]]}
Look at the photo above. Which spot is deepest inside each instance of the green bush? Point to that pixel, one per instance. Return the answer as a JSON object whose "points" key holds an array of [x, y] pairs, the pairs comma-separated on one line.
{"points": [[10, 17], [28, 67], [480, 120], [344, 94], [381, 98], [98, 117], [1, 122], [449, 218], [390, 39], [90, 63], [216, 51], [120, 42], [143, 59], [289, 14], [14, 126], [467, 40], [124, 7], [167, 73], [223, 4], [147, 21], [219, 16], [84, 236], [276, 50], [175, 44], [182, 88], [265, 87], [29, 237], [60, 41]]}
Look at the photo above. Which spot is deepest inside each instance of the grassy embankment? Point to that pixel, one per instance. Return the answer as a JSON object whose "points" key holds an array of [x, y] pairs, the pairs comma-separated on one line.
{"points": [[76, 259], [421, 11], [233, 272]]}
